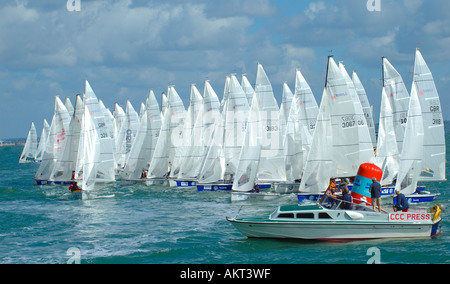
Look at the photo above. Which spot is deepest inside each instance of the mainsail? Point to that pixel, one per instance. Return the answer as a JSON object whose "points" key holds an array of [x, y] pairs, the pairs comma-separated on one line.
{"points": [[42, 141], [170, 136], [31, 146], [65, 166], [106, 166], [339, 143], [433, 163], [56, 141], [412, 153], [144, 147], [261, 157]]}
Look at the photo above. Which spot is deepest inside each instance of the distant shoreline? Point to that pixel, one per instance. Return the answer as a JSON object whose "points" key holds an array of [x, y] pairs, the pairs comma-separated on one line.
{"points": [[9, 143]]}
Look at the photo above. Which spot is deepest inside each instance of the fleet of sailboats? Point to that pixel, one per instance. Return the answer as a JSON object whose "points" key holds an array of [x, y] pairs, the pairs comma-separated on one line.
{"points": [[247, 141]]}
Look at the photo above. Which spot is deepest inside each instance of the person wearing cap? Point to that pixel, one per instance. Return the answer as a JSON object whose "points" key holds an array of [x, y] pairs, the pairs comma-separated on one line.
{"points": [[400, 202], [375, 193]]}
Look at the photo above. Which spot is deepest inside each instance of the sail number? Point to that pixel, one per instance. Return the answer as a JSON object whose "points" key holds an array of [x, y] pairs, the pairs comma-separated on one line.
{"points": [[350, 121], [102, 134], [272, 126], [436, 121]]}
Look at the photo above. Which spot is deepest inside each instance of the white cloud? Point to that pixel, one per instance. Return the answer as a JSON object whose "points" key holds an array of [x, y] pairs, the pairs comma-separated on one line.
{"points": [[126, 47]]}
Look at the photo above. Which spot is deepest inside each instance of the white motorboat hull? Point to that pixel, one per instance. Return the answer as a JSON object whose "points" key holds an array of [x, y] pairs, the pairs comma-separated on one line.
{"points": [[332, 231], [327, 221]]}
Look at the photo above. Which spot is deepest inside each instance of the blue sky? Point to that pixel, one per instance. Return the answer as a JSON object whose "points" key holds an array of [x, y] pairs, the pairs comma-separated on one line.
{"points": [[127, 47]]}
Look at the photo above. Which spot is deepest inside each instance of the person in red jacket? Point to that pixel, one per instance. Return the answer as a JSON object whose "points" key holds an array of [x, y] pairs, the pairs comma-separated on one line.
{"points": [[74, 187]]}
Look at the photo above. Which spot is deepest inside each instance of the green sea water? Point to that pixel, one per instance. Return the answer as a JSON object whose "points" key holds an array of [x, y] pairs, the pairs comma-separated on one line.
{"points": [[161, 225]]}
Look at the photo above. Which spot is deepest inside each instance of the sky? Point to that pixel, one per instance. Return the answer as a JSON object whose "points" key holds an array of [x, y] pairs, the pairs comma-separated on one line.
{"points": [[124, 48]]}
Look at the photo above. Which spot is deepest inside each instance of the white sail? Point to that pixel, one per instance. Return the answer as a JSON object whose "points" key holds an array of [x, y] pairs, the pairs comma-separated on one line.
{"points": [[247, 87], [106, 165], [387, 154], [42, 141], [144, 147], [319, 166], [56, 141], [365, 106], [363, 138], [398, 95], [339, 142], [69, 107], [109, 119], [31, 146], [433, 163], [224, 101], [285, 107], [170, 136], [141, 111], [119, 121], [235, 117], [88, 156], [300, 128], [163, 103], [127, 134], [213, 165], [192, 147], [413, 145], [261, 157], [65, 166]]}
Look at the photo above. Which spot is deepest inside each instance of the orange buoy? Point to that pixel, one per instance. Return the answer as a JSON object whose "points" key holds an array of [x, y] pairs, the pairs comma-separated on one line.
{"points": [[363, 180]]}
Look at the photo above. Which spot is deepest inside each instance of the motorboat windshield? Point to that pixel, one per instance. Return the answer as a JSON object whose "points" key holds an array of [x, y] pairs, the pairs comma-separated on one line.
{"points": [[331, 202]]}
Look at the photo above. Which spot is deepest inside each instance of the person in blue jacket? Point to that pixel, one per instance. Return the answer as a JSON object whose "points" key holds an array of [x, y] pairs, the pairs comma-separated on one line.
{"points": [[375, 194], [400, 202]]}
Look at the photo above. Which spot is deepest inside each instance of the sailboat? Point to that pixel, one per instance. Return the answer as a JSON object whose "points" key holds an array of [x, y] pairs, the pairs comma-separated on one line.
{"points": [[127, 135], [42, 142], [298, 135], [261, 159], [392, 124], [106, 164], [144, 147], [189, 157], [423, 153], [341, 140], [55, 144], [31, 146], [64, 169], [95, 164], [170, 137], [87, 157], [211, 174]]}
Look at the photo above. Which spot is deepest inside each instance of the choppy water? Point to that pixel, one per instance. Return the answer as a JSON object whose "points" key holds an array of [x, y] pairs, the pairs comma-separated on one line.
{"points": [[158, 225]]}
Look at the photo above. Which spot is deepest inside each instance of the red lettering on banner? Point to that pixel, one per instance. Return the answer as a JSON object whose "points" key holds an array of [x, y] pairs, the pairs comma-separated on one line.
{"points": [[409, 217]]}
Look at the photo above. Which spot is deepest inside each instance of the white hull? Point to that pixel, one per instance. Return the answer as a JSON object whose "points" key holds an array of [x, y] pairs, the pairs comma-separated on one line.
{"points": [[286, 187], [132, 181], [329, 221], [253, 196], [332, 231], [159, 182]]}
